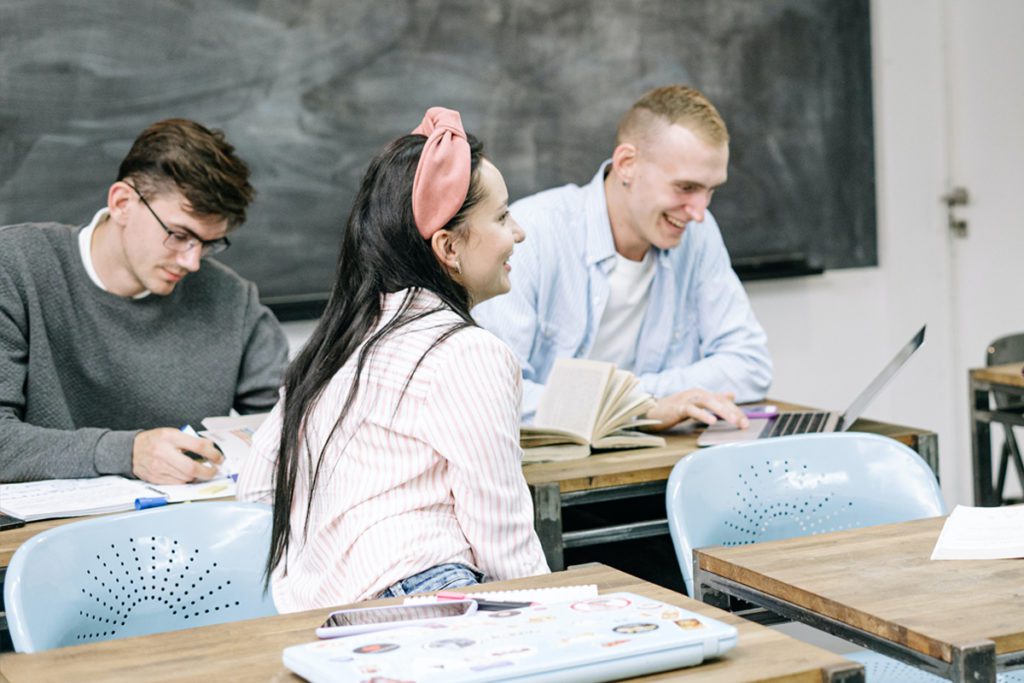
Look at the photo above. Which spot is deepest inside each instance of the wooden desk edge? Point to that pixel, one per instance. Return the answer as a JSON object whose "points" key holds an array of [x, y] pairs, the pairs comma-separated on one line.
{"points": [[799, 662]]}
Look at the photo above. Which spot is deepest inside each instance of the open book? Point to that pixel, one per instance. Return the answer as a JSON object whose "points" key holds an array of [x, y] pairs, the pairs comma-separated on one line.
{"points": [[54, 498], [587, 404]]}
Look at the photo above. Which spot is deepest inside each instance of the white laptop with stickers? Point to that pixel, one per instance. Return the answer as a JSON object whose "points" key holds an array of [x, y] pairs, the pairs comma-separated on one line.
{"points": [[605, 638]]}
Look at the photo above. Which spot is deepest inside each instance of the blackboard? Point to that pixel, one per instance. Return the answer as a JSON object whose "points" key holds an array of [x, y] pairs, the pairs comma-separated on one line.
{"points": [[309, 90]]}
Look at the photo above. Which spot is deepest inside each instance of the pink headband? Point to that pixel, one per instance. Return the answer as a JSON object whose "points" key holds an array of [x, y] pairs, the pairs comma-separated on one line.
{"points": [[442, 175]]}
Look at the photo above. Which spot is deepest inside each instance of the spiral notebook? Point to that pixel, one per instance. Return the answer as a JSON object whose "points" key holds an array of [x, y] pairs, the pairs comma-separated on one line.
{"points": [[603, 638]]}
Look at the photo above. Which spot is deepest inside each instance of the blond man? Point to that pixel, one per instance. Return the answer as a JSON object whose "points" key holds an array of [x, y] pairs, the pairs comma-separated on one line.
{"points": [[631, 268]]}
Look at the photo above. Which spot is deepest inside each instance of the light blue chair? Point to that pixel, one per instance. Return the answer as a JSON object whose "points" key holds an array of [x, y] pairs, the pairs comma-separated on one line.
{"points": [[164, 569], [771, 489]]}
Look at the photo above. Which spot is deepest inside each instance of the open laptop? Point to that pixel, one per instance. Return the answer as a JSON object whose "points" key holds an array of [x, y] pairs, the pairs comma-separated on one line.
{"points": [[605, 638], [785, 424]]}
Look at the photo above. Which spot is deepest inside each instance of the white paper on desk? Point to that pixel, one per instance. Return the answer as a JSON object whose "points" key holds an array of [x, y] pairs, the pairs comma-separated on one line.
{"points": [[71, 497], [250, 422], [972, 533], [234, 444], [215, 488]]}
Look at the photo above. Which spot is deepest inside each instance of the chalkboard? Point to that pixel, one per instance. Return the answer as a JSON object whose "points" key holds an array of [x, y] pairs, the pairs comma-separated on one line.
{"points": [[309, 90]]}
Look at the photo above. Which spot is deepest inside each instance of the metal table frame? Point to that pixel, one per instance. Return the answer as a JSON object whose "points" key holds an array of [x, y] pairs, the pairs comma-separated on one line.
{"points": [[973, 662], [982, 416], [549, 502]]}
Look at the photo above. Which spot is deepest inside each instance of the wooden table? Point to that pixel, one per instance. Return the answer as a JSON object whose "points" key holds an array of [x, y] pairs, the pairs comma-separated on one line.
{"points": [[875, 586], [621, 475], [1004, 379], [251, 650]]}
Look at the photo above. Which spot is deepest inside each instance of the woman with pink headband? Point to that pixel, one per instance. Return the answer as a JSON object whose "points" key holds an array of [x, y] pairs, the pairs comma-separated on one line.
{"points": [[392, 459]]}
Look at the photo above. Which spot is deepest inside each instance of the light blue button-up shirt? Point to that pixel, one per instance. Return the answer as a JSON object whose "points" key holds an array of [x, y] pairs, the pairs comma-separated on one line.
{"points": [[698, 330]]}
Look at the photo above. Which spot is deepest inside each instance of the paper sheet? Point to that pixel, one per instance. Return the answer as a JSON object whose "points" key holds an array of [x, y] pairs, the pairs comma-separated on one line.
{"points": [[974, 533]]}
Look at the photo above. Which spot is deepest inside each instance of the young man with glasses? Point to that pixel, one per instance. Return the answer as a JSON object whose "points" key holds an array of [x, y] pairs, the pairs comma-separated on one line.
{"points": [[115, 334]]}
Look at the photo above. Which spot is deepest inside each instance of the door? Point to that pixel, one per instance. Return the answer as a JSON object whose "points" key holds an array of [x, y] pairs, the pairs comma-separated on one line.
{"points": [[985, 73]]}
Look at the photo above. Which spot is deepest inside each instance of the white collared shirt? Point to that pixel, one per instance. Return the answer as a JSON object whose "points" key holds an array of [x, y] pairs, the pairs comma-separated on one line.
{"points": [[85, 249], [420, 472]]}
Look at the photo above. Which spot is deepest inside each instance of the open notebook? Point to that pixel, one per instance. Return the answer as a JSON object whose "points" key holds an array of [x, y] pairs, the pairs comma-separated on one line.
{"points": [[604, 638]]}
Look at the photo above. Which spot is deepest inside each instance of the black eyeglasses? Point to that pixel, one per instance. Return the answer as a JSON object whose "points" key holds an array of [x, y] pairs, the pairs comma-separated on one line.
{"points": [[180, 241]]}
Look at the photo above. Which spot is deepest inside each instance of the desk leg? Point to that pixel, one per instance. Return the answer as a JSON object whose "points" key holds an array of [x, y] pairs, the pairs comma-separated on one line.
{"points": [[547, 520], [975, 663], [981, 449]]}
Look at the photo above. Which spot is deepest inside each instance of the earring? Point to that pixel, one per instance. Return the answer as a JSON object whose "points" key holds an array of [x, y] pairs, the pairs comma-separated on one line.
{"points": [[458, 267], [625, 183]]}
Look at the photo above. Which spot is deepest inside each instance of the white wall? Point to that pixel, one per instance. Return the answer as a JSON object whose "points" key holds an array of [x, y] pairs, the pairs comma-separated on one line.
{"points": [[829, 334]]}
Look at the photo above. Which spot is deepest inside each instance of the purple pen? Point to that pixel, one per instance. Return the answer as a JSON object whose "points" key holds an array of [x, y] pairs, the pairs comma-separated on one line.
{"points": [[762, 412]]}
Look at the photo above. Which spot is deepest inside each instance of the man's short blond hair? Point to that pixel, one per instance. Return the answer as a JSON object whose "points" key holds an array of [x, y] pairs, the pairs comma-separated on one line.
{"points": [[673, 104]]}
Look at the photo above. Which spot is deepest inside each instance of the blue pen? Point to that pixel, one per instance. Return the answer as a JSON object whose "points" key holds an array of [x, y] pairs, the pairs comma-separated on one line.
{"points": [[145, 503]]}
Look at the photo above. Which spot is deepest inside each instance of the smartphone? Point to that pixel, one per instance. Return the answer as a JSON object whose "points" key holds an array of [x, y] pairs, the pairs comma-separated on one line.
{"points": [[347, 622], [8, 522]]}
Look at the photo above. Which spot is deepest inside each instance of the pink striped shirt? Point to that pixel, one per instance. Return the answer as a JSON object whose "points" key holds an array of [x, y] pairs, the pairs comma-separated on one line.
{"points": [[436, 480]]}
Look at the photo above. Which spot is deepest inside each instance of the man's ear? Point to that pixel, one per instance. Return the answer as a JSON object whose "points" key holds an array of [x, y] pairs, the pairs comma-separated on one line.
{"points": [[624, 161], [442, 243], [118, 200]]}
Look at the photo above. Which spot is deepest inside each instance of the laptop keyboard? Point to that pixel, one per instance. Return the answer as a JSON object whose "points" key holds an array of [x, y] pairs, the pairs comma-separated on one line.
{"points": [[795, 423]]}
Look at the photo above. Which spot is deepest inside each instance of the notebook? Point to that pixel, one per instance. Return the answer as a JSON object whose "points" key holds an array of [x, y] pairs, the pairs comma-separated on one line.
{"points": [[604, 638], [785, 424]]}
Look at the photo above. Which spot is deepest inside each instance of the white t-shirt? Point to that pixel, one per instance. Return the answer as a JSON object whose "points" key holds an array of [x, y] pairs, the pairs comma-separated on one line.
{"points": [[629, 286]]}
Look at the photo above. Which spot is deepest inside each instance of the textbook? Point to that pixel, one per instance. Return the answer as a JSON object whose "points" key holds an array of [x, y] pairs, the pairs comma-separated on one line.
{"points": [[586, 405], [602, 638], [53, 498]]}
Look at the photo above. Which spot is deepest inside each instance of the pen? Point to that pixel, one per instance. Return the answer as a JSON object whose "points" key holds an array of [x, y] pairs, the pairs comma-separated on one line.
{"points": [[482, 605], [187, 429], [766, 411]]}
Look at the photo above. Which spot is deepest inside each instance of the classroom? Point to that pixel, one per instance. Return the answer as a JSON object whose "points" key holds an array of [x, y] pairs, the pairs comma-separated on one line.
{"points": [[867, 203]]}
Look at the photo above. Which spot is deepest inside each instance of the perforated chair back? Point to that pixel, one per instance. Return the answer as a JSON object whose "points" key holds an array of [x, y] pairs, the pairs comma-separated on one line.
{"points": [[770, 489], [138, 573]]}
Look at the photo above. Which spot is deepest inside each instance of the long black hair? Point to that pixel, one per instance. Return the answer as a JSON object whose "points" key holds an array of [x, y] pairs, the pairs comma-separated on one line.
{"points": [[381, 252]]}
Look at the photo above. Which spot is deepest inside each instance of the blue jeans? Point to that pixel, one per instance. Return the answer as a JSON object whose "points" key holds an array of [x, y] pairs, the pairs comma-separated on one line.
{"points": [[436, 578]]}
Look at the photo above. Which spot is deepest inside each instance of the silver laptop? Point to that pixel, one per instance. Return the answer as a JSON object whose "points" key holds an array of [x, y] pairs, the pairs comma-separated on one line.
{"points": [[785, 424]]}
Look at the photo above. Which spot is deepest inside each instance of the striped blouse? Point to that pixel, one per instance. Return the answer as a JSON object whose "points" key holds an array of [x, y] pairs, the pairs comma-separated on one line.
{"points": [[407, 482]]}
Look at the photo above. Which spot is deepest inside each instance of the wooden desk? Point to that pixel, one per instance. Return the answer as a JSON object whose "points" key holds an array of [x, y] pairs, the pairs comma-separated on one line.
{"points": [[876, 587], [251, 650], [1004, 379], [643, 472], [610, 476]]}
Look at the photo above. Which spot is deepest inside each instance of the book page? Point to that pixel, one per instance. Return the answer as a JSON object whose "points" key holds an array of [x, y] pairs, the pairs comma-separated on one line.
{"points": [[630, 407], [627, 438], [975, 533], [536, 436], [619, 388], [573, 394], [555, 452], [54, 498], [234, 443], [251, 422]]}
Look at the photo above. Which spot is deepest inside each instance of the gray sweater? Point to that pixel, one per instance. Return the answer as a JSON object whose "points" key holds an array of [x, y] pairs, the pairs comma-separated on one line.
{"points": [[82, 370]]}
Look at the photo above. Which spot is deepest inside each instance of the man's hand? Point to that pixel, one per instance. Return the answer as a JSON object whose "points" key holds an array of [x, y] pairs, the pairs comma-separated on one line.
{"points": [[705, 406], [158, 456]]}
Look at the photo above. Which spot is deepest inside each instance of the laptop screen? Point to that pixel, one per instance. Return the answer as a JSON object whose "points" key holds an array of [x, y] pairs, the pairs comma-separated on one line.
{"points": [[861, 402]]}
